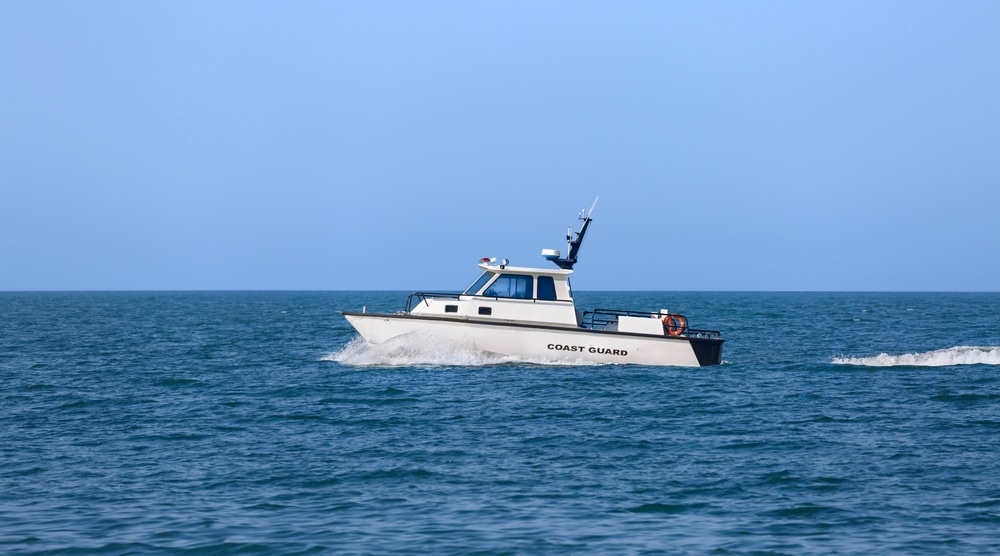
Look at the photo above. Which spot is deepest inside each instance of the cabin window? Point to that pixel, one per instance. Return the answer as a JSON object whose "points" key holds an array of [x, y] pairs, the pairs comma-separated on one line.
{"points": [[486, 310], [478, 285], [451, 308], [511, 285], [546, 288]]}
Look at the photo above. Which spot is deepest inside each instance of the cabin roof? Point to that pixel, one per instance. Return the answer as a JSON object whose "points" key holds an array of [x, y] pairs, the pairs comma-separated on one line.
{"points": [[555, 272]]}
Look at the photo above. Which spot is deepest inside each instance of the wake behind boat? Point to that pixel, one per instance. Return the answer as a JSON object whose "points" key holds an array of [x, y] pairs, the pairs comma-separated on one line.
{"points": [[529, 312]]}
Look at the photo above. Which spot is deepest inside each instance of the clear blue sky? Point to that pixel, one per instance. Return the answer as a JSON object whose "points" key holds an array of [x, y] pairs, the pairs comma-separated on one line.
{"points": [[390, 145]]}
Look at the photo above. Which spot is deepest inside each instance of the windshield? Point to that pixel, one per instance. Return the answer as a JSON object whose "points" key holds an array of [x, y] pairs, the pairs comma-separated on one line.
{"points": [[478, 285], [511, 285]]}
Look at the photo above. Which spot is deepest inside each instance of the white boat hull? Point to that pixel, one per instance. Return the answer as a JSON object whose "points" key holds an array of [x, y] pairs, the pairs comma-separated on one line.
{"points": [[543, 343]]}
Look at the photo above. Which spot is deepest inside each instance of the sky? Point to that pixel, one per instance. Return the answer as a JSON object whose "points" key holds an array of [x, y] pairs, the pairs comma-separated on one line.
{"points": [[221, 145]]}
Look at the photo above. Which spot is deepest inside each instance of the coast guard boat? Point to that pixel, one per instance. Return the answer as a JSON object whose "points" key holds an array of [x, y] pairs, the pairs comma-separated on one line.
{"points": [[529, 312]]}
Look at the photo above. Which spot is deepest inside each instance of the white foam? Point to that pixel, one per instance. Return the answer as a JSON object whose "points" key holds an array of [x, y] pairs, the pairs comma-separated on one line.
{"points": [[959, 355], [418, 350]]}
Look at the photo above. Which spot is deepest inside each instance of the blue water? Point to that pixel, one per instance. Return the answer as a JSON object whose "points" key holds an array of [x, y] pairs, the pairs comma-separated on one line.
{"points": [[256, 423]]}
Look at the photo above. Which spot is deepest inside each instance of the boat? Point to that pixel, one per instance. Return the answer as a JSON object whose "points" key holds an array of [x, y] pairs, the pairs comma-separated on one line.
{"points": [[529, 313]]}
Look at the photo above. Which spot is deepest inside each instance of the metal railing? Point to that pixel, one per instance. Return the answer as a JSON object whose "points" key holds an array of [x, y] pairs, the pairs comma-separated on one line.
{"points": [[604, 319], [417, 298]]}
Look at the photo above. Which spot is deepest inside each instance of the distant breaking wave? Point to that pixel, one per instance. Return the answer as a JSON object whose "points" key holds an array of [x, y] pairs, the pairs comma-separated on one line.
{"points": [[411, 350], [960, 355]]}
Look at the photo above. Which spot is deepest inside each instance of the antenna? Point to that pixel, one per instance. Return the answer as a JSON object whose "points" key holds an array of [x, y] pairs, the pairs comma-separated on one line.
{"points": [[573, 245], [591, 211]]}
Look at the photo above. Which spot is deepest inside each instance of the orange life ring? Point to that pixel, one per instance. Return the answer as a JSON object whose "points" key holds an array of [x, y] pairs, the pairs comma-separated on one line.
{"points": [[675, 325]]}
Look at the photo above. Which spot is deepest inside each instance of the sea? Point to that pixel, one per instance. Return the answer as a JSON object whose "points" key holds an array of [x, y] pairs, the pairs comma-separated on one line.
{"points": [[258, 423]]}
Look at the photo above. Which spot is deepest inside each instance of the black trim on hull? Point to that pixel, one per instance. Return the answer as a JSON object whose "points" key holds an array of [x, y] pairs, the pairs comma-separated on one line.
{"points": [[707, 350]]}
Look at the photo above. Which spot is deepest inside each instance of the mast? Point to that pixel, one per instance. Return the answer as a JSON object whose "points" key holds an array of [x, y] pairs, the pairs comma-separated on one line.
{"points": [[573, 243]]}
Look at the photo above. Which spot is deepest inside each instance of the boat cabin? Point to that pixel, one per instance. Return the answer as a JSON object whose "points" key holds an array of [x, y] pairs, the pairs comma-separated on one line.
{"points": [[508, 293]]}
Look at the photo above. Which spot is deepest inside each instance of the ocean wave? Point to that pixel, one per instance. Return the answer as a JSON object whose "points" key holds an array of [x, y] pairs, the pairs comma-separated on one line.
{"points": [[959, 355], [434, 351]]}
